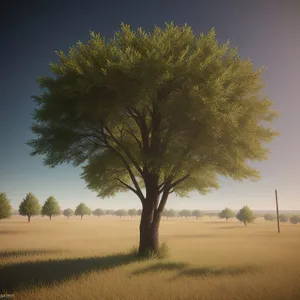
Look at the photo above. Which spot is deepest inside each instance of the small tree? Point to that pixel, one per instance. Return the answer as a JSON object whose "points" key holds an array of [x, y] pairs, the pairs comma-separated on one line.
{"points": [[269, 217], [245, 215], [211, 214], [139, 212], [283, 218], [110, 212], [197, 213], [295, 219], [68, 212], [132, 212], [98, 212], [82, 210], [185, 213], [29, 206], [172, 213], [51, 208], [5, 207], [121, 212], [226, 213]]}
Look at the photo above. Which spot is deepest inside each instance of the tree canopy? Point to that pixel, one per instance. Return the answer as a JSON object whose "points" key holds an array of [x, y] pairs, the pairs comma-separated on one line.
{"points": [[98, 212], [5, 207], [30, 206], [154, 113], [245, 215], [226, 213], [68, 212], [50, 208], [82, 210], [197, 213]]}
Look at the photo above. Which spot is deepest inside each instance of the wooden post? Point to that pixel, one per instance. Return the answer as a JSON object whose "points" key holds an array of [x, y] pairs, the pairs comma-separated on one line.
{"points": [[278, 224]]}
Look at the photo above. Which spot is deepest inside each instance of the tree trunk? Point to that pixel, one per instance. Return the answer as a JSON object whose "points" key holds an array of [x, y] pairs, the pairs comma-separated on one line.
{"points": [[149, 228], [29, 219], [50, 217], [81, 217], [245, 223]]}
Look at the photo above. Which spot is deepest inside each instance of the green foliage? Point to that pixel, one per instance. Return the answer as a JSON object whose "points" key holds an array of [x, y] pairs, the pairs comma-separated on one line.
{"points": [[245, 215], [98, 212], [50, 208], [5, 207], [29, 206], [269, 217], [181, 106], [82, 210], [185, 213], [283, 218], [132, 212], [68, 212], [295, 219], [121, 212], [197, 213], [226, 213]]}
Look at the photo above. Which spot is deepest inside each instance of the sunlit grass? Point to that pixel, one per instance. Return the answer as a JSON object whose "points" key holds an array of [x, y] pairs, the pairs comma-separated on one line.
{"points": [[90, 259]]}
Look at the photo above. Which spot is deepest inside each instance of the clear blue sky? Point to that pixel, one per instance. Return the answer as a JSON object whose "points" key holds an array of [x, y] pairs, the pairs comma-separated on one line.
{"points": [[266, 31]]}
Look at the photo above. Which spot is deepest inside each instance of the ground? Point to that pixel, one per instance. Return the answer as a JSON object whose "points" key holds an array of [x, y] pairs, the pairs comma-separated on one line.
{"points": [[209, 259]]}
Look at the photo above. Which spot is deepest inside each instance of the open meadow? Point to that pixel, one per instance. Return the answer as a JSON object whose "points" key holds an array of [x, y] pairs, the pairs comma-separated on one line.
{"points": [[209, 259]]}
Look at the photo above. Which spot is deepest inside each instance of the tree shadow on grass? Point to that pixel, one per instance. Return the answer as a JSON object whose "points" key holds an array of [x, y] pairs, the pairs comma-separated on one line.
{"points": [[25, 275], [28, 252], [6, 232], [184, 270], [231, 227]]}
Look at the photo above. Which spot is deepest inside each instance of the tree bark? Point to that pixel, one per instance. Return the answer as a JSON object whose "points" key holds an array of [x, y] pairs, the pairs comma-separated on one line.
{"points": [[149, 228], [29, 219]]}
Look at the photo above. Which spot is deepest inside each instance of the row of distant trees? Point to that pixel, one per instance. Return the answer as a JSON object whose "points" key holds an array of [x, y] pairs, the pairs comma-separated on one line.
{"points": [[30, 207]]}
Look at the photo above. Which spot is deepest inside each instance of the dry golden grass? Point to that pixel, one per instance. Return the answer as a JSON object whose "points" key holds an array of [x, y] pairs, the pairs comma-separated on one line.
{"points": [[209, 259]]}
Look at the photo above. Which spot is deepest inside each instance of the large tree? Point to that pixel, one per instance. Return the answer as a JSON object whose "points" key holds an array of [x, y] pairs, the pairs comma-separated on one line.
{"points": [[50, 208], [153, 113], [5, 207], [29, 206]]}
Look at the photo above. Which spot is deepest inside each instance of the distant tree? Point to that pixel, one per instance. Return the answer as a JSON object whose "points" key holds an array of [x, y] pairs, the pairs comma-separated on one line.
{"points": [[5, 207], [197, 213], [110, 212], [139, 212], [82, 210], [211, 214], [50, 208], [162, 111], [29, 206], [172, 213], [245, 215], [283, 218], [132, 212], [98, 212], [226, 213], [185, 213], [269, 217], [295, 219], [68, 212], [121, 212]]}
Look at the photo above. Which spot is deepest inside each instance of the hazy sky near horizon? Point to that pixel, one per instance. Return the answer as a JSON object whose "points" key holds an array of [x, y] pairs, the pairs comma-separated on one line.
{"points": [[265, 31]]}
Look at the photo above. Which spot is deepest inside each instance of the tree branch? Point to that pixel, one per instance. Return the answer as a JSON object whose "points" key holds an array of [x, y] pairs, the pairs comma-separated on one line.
{"points": [[179, 180], [126, 185]]}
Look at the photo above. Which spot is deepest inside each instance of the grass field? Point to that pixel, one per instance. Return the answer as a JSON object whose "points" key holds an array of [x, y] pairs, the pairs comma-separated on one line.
{"points": [[209, 259]]}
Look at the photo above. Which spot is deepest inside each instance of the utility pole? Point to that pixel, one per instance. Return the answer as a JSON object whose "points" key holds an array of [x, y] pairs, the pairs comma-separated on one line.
{"points": [[278, 224]]}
